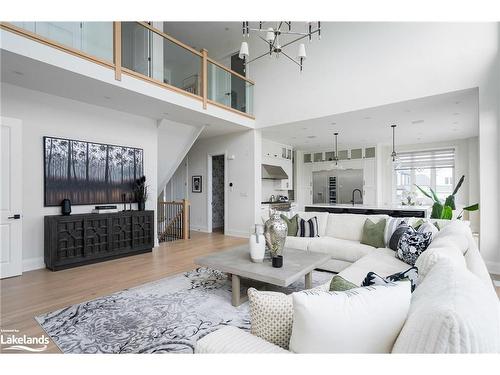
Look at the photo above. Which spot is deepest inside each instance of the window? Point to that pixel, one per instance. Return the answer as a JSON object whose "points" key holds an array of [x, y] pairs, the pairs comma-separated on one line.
{"points": [[428, 169]]}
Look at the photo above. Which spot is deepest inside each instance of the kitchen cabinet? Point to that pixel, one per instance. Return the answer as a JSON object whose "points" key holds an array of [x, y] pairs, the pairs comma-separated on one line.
{"points": [[276, 150], [369, 181]]}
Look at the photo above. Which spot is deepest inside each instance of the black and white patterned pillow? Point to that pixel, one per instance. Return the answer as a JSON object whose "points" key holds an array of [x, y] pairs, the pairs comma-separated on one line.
{"points": [[391, 225], [398, 233], [411, 274], [411, 245], [307, 228]]}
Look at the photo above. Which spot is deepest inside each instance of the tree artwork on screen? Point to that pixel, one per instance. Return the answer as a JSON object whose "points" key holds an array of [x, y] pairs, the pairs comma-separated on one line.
{"points": [[89, 173]]}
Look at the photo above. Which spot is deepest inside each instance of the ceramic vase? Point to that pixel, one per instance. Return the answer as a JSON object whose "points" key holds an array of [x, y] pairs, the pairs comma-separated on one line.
{"points": [[257, 244]]}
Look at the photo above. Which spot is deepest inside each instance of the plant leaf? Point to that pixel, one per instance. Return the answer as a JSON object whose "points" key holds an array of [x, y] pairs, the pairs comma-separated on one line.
{"points": [[473, 207], [459, 184], [450, 201], [423, 192], [434, 195], [437, 209], [447, 213]]}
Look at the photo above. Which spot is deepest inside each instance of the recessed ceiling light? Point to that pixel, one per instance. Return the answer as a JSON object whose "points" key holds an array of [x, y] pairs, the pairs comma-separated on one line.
{"points": [[456, 114], [107, 97], [333, 123], [226, 28], [367, 118], [18, 72], [454, 129], [419, 139], [294, 137], [407, 110], [455, 122], [165, 113], [457, 102], [304, 128], [311, 136], [417, 121]]}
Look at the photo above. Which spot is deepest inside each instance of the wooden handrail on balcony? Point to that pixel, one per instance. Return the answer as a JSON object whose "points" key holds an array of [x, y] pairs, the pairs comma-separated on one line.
{"points": [[119, 69], [173, 220]]}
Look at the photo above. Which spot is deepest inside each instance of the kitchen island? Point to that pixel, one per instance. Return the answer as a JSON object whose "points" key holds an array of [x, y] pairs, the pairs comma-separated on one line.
{"points": [[366, 209]]}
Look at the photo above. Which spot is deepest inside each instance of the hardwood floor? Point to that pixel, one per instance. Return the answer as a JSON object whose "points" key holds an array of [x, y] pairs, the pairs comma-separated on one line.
{"points": [[41, 291]]}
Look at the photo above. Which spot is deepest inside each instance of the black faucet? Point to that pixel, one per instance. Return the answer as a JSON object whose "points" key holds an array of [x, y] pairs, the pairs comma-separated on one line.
{"points": [[360, 195]]}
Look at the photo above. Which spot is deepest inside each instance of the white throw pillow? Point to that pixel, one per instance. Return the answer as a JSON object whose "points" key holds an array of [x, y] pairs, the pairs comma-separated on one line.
{"points": [[361, 320]]}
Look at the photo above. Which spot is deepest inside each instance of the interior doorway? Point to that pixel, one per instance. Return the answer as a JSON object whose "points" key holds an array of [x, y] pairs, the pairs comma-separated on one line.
{"points": [[218, 201]]}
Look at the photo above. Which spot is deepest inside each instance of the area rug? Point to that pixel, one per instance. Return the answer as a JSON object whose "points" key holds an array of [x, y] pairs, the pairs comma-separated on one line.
{"points": [[165, 316]]}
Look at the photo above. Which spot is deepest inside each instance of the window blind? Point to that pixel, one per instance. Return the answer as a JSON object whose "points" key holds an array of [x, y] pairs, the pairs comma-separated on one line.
{"points": [[444, 158]]}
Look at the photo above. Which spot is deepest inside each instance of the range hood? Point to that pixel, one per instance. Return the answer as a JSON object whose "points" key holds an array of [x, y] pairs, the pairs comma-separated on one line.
{"points": [[273, 172]]}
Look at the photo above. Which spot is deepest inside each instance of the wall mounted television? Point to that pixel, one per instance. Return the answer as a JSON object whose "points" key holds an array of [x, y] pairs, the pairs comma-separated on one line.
{"points": [[89, 172]]}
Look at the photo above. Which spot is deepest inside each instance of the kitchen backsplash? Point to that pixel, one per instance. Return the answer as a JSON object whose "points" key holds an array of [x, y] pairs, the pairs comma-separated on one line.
{"points": [[268, 189]]}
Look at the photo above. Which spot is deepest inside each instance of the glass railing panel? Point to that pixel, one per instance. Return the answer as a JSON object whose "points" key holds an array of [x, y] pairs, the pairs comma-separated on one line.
{"points": [[229, 89], [156, 57], [92, 38]]}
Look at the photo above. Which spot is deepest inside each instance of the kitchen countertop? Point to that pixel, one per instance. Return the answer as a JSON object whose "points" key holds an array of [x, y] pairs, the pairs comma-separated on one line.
{"points": [[276, 202], [370, 206]]}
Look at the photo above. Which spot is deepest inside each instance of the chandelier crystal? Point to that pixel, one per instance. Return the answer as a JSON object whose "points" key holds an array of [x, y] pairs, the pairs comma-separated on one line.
{"points": [[273, 37]]}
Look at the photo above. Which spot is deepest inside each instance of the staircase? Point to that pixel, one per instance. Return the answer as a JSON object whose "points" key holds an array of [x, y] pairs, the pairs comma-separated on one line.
{"points": [[173, 221]]}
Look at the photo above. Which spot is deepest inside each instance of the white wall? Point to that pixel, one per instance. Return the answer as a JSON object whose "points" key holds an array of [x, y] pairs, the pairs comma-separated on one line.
{"points": [[174, 141], [47, 115], [242, 172]]}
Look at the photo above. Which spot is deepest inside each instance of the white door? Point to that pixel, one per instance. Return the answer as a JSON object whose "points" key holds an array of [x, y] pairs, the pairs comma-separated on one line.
{"points": [[10, 197]]}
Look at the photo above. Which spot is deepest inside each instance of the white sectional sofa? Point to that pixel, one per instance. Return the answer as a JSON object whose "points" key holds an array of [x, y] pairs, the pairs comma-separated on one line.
{"points": [[454, 308]]}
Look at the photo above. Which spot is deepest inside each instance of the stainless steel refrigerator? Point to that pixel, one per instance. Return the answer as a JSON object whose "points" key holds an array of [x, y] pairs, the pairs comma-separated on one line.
{"points": [[336, 186]]}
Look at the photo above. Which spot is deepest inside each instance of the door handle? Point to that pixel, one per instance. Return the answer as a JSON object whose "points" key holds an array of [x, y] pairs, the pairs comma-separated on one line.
{"points": [[16, 216]]}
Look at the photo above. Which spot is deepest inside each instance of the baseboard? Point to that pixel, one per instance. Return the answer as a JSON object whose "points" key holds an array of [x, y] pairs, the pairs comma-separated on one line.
{"points": [[237, 233], [493, 267], [31, 264], [198, 229]]}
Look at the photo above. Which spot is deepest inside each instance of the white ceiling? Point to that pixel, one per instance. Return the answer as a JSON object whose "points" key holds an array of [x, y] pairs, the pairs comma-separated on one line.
{"points": [[35, 75], [435, 118]]}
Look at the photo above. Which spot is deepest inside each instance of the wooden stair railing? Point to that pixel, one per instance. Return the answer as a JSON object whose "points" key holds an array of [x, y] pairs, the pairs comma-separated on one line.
{"points": [[173, 221]]}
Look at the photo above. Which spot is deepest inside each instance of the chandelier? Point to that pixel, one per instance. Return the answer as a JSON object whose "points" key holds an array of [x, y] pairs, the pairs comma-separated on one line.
{"points": [[273, 36]]}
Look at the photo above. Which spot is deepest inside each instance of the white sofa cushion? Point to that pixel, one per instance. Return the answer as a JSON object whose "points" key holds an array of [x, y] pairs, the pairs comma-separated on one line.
{"points": [[381, 261], [234, 340], [322, 220], [362, 320], [451, 312], [349, 226], [431, 256], [271, 314], [456, 233], [300, 243], [340, 249]]}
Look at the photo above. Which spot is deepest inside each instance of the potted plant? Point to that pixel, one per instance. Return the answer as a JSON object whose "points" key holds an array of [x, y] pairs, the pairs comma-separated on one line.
{"points": [[141, 193], [445, 210]]}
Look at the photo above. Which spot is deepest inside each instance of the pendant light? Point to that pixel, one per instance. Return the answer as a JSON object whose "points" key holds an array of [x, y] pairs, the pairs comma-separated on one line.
{"points": [[336, 165], [394, 155]]}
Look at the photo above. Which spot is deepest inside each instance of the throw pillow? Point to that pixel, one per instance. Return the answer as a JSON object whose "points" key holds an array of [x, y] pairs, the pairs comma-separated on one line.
{"points": [[361, 320], [418, 223], [271, 314], [411, 245], [307, 228], [398, 233], [373, 233], [339, 284], [410, 274], [292, 224], [428, 227], [391, 225]]}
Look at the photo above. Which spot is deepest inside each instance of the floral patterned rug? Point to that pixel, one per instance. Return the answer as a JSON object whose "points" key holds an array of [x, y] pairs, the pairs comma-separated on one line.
{"points": [[165, 316]]}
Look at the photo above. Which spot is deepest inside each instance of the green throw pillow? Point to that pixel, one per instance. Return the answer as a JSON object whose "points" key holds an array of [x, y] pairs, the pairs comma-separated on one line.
{"points": [[417, 224], [373, 234], [292, 224], [339, 284]]}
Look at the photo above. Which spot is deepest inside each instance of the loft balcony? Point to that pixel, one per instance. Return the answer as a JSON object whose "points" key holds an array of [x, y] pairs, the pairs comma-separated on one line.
{"points": [[139, 50]]}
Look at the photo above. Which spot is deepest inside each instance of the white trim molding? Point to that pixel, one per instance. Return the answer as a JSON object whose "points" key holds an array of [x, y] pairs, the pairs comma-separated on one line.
{"points": [[31, 264]]}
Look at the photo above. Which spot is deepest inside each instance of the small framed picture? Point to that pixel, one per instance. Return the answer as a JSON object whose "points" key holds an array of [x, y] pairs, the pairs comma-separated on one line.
{"points": [[196, 184]]}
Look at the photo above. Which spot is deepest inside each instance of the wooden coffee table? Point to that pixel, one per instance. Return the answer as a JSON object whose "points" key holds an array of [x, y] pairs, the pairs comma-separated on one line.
{"points": [[236, 262]]}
